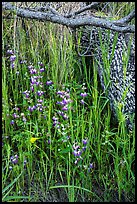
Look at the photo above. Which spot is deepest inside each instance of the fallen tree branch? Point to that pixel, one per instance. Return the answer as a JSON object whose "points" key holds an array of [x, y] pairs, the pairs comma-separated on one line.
{"points": [[85, 8], [126, 19], [73, 22]]}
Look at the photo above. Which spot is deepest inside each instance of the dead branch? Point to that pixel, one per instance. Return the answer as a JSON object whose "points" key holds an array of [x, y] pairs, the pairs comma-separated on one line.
{"points": [[74, 22], [85, 8]]}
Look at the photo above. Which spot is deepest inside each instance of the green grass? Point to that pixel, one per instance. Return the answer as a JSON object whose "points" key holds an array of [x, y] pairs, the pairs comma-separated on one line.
{"points": [[50, 162]]}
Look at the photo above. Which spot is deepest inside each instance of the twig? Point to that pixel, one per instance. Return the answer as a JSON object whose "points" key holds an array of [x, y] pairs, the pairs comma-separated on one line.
{"points": [[91, 6]]}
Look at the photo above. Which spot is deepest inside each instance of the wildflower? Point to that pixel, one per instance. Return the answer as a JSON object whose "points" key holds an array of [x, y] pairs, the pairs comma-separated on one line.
{"points": [[10, 167], [15, 115], [65, 101], [40, 64], [33, 139], [91, 166], [25, 162], [54, 118], [14, 159], [82, 102], [33, 71], [65, 116], [83, 94], [12, 65], [10, 52], [40, 100], [77, 153], [76, 146], [76, 161], [65, 108], [37, 83], [30, 67], [33, 80], [84, 141], [40, 93], [24, 119], [12, 122], [12, 58], [23, 61], [42, 70], [32, 88], [49, 82], [60, 92], [84, 148], [49, 141]]}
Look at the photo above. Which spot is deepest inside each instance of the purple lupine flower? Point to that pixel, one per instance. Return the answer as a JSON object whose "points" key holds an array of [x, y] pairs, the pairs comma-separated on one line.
{"points": [[83, 94], [91, 165], [76, 161], [65, 101], [82, 102], [12, 65], [84, 141], [65, 108], [33, 71], [32, 88], [77, 153], [10, 52], [37, 83], [27, 95], [54, 118], [40, 109], [30, 108], [84, 148], [25, 162], [49, 82], [60, 113], [58, 102], [40, 93], [49, 141], [75, 147], [42, 70], [65, 116], [67, 95], [24, 119], [60, 92], [16, 108], [33, 80], [15, 161], [40, 100], [55, 123], [12, 157], [40, 64], [12, 122], [10, 167], [12, 58], [14, 115], [30, 66], [23, 61]]}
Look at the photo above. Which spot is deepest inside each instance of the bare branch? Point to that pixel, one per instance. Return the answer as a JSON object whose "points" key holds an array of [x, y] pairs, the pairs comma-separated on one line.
{"points": [[126, 19], [71, 22], [91, 6], [46, 8]]}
